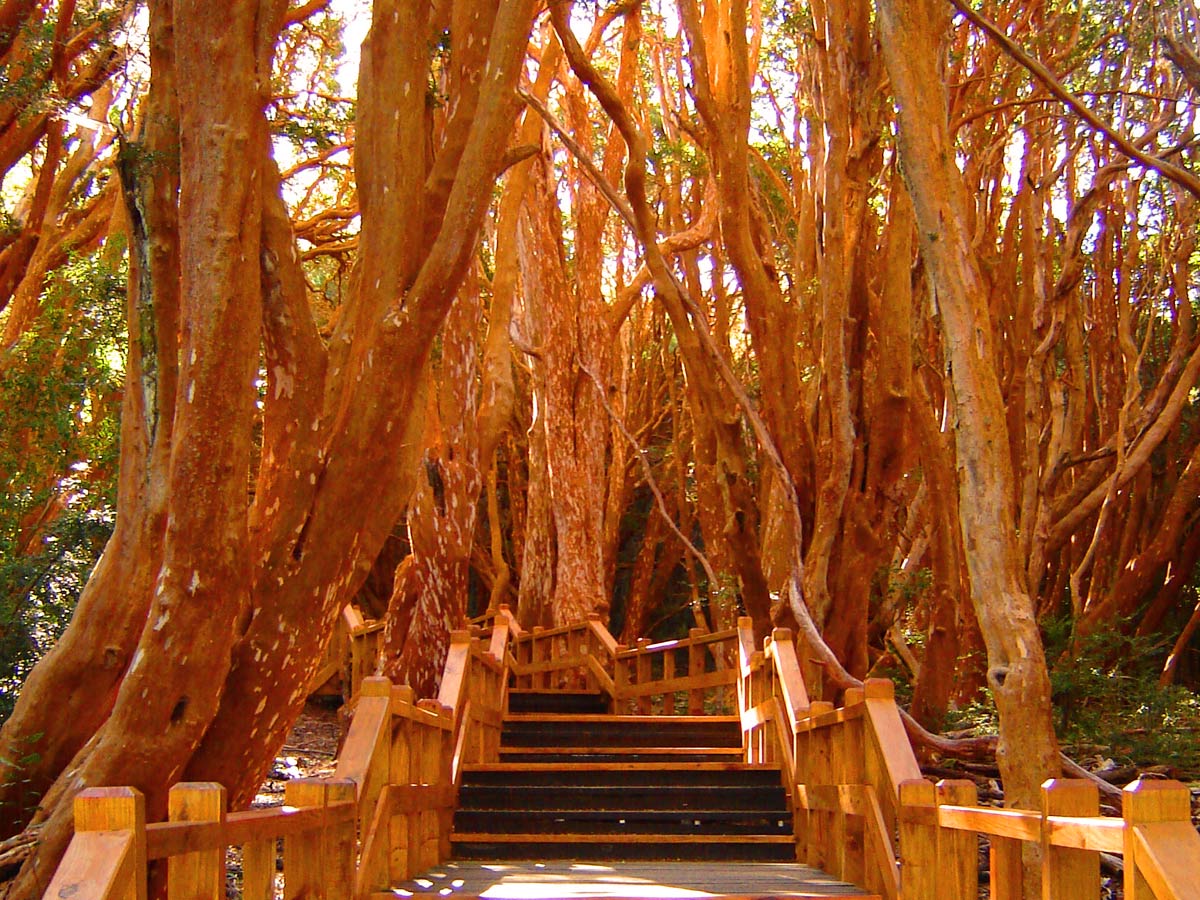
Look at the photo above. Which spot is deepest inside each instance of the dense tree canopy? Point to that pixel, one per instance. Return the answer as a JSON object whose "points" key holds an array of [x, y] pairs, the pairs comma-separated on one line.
{"points": [[873, 319]]}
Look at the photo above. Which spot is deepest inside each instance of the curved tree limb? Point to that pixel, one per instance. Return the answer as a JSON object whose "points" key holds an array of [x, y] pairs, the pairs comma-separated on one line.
{"points": [[1177, 174]]}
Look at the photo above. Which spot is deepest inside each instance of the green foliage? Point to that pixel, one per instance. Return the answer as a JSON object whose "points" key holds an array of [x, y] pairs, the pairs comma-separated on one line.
{"points": [[18, 757], [1105, 691], [59, 428]]}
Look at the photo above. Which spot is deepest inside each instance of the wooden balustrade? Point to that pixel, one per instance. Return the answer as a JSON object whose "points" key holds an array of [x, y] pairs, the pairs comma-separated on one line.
{"points": [[850, 770], [384, 816], [689, 676], [855, 786]]}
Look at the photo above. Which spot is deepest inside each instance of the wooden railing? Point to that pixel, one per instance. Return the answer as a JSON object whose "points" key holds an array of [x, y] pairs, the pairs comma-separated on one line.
{"points": [[352, 654], [384, 815], [690, 676], [856, 786]]}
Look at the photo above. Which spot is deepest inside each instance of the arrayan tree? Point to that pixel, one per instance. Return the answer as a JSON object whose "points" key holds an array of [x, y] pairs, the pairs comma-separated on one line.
{"points": [[857, 316], [210, 612]]}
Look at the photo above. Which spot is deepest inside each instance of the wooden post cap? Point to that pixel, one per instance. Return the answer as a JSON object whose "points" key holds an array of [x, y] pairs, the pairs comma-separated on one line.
{"points": [[376, 686], [879, 689]]}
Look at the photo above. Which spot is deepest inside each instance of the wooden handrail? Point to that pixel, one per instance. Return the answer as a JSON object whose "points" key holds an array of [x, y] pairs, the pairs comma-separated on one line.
{"points": [[850, 771]]}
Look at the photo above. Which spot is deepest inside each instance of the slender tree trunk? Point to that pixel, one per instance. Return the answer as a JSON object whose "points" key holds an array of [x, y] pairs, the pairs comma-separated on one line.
{"points": [[1028, 750]]}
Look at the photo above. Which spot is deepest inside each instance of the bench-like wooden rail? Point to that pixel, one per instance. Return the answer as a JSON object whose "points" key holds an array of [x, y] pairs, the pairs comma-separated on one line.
{"points": [[855, 786]]}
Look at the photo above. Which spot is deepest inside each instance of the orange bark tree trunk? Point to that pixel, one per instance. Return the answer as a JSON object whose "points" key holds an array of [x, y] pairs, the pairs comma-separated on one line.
{"points": [[1017, 675]]}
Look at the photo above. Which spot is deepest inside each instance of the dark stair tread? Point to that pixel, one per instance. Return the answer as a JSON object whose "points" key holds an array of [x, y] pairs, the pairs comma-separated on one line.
{"points": [[715, 823], [596, 847], [527, 837], [617, 719], [627, 767]]}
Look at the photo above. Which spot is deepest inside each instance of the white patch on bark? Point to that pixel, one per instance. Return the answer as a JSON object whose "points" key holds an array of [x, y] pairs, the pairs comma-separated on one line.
{"points": [[193, 361], [162, 620], [194, 583], [191, 391], [284, 383]]}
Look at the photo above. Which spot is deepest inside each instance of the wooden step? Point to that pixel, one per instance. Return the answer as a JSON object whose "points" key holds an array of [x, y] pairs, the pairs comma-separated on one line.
{"points": [[610, 719], [522, 731], [642, 774], [620, 754], [774, 847], [510, 838], [550, 879], [534, 701], [620, 767], [627, 797], [714, 823]]}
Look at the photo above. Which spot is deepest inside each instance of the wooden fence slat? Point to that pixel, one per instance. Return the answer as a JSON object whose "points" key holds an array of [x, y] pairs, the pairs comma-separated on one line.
{"points": [[199, 875], [258, 870]]}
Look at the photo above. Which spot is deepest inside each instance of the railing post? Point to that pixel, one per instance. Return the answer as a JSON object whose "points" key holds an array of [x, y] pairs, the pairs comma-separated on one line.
{"points": [[918, 841], [1067, 872], [110, 809], [848, 768], [402, 843], [958, 851], [1145, 802], [319, 864], [537, 649], [200, 875], [643, 675], [695, 669], [820, 853]]}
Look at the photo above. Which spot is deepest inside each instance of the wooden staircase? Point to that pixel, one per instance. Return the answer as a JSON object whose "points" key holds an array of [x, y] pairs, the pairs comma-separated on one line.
{"points": [[557, 763], [577, 783]]}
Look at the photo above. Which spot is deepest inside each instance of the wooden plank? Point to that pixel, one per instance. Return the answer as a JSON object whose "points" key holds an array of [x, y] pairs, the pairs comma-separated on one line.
{"points": [[1098, 834], [165, 839], [1147, 866], [682, 683], [106, 858], [620, 838], [1167, 853], [365, 753], [97, 865], [1017, 824], [1005, 869], [791, 679], [882, 868], [450, 693], [620, 767], [373, 872], [735, 752], [258, 870], [617, 721], [199, 875]]}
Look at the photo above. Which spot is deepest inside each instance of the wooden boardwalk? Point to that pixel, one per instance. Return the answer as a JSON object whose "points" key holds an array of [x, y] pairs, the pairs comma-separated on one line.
{"points": [[556, 879]]}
